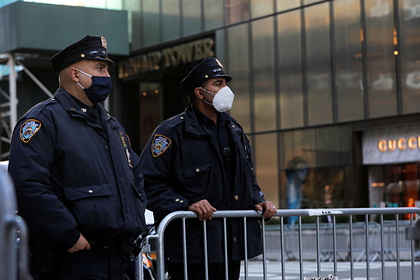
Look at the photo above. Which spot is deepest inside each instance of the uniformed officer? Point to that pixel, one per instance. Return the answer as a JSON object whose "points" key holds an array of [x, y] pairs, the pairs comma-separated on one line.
{"points": [[77, 179], [200, 160]]}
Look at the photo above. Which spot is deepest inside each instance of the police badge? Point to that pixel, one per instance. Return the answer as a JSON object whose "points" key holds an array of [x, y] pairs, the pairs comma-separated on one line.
{"points": [[28, 129], [160, 145]]}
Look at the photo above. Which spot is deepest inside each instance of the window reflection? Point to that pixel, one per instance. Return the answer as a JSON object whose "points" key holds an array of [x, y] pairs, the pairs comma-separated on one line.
{"points": [[290, 69], [237, 10], [261, 8], [318, 64], [150, 21], [191, 16], [263, 74], [171, 20], [349, 76], [213, 13], [289, 4], [410, 54], [380, 58], [239, 69], [266, 164], [315, 167]]}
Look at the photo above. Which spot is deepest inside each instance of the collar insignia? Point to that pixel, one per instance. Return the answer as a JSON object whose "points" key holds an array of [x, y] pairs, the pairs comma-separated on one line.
{"points": [[28, 129], [160, 145]]}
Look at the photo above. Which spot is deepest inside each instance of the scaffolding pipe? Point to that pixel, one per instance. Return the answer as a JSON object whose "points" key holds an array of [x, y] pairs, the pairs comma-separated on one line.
{"points": [[32, 76], [12, 91]]}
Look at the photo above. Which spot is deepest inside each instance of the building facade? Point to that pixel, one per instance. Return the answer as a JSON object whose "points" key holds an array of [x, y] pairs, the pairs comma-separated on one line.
{"points": [[328, 91]]}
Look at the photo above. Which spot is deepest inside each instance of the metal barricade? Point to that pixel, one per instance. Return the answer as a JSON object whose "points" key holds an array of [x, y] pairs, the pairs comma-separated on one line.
{"points": [[357, 249], [12, 228]]}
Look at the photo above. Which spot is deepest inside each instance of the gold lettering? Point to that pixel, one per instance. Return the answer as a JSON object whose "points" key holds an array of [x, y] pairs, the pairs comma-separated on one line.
{"points": [[175, 53], [392, 145], [186, 54], [401, 144], [167, 57], [208, 47], [382, 145], [198, 51], [166, 53], [154, 60], [411, 143]]}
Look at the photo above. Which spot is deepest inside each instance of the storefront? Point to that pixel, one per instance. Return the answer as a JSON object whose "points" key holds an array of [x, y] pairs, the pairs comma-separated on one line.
{"points": [[391, 156]]}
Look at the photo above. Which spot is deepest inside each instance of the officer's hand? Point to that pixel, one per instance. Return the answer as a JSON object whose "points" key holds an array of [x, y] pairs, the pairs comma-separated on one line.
{"points": [[81, 244], [267, 207], [203, 209]]}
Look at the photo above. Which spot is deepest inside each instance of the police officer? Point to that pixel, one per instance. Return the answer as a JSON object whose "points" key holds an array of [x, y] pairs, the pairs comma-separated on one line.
{"points": [[200, 160], [77, 179]]}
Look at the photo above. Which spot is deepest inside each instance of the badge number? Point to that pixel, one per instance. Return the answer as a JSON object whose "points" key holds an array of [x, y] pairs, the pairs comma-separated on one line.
{"points": [[160, 145], [28, 129]]}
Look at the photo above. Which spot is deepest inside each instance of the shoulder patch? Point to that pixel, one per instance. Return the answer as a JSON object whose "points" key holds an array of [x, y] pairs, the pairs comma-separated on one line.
{"points": [[28, 129], [160, 144]]}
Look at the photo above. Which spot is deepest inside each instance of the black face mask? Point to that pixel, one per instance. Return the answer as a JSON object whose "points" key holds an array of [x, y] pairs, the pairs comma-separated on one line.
{"points": [[99, 89]]}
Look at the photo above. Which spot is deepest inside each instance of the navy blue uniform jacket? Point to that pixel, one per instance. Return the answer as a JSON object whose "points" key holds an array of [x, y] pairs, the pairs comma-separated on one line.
{"points": [[181, 164], [73, 176]]}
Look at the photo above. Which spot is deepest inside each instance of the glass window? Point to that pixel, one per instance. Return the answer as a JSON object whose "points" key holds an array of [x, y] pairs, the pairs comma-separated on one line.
{"points": [[319, 147], [171, 20], [261, 8], [286, 5], [380, 58], [191, 15], [134, 24], [103, 4], [307, 2], [266, 165], [315, 167], [213, 13], [317, 27], [290, 69], [394, 185], [349, 75], [237, 10], [262, 73], [410, 54], [238, 68], [151, 21]]}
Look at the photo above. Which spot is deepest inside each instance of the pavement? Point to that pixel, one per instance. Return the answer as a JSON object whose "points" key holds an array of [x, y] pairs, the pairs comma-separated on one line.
{"points": [[361, 270]]}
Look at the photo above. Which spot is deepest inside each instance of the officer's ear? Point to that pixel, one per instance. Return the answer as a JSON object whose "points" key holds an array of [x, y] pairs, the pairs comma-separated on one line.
{"points": [[199, 92], [73, 74]]}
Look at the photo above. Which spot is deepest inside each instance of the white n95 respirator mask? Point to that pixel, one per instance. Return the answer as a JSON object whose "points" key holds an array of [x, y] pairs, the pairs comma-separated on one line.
{"points": [[222, 100]]}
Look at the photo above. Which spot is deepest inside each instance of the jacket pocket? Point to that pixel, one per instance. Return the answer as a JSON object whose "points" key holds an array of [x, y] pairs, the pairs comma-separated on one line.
{"points": [[196, 170], [196, 182], [92, 206]]}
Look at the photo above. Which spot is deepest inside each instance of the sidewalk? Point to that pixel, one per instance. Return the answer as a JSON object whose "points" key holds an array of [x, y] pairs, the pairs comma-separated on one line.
{"points": [[344, 271]]}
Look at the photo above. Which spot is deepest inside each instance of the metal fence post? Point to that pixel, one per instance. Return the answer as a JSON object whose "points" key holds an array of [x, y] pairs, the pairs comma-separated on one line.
{"points": [[10, 225]]}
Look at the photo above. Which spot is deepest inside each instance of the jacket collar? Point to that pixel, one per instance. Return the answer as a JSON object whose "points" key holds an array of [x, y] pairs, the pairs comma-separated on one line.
{"points": [[70, 103], [193, 124]]}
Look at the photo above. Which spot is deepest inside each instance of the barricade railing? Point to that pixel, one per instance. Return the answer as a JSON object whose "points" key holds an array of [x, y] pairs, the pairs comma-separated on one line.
{"points": [[13, 265], [358, 240]]}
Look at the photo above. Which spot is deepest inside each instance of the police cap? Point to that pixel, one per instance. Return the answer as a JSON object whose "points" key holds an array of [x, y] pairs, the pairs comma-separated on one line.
{"points": [[89, 47], [209, 68]]}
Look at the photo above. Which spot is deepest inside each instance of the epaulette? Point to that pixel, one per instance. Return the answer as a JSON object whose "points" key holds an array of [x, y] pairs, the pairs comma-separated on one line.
{"points": [[38, 108], [168, 124]]}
